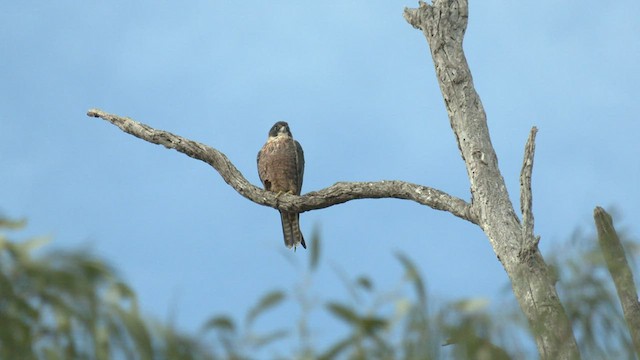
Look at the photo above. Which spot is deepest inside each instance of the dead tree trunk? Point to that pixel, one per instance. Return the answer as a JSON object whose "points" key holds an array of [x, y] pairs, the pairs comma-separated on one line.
{"points": [[444, 24]]}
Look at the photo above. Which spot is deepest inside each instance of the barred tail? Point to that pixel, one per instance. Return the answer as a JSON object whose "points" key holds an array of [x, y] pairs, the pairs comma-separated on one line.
{"points": [[291, 229]]}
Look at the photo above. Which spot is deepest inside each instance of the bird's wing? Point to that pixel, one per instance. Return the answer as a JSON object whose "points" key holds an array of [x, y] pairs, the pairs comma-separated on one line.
{"points": [[299, 165], [260, 168]]}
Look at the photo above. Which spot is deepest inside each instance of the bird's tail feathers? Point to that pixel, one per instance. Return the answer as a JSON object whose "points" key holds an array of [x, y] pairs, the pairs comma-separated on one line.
{"points": [[291, 230]]}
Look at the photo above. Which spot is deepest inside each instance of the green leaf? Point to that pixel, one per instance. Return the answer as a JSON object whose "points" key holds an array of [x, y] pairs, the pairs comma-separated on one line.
{"points": [[267, 302], [138, 331], [21, 251], [6, 287], [412, 274], [222, 322], [371, 324], [25, 309], [337, 348], [119, 292], [344, 313], [471, 305], [102, 347], [314, 251], [34, 243], [269, 338], [365, 283], [13, 224]]}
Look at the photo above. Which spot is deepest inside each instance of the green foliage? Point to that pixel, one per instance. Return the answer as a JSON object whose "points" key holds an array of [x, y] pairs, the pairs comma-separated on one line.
{"points": [[268, 301], [72, 305], [405, 324], [589, 297], [233, 344], [376, 325]]}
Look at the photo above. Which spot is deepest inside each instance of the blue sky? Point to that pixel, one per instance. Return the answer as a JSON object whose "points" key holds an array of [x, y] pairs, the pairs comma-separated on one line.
{"points": [[357, 86]]}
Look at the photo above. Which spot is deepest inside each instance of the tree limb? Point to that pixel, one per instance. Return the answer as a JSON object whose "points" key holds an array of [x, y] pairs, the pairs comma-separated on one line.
{"points": [[620, 271], [336, 194], [443, 25], [526, 197]]}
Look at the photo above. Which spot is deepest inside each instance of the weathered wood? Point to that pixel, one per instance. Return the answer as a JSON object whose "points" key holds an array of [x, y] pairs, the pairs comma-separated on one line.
{"points": [[526, 197], [338, 193], [444, 24]]}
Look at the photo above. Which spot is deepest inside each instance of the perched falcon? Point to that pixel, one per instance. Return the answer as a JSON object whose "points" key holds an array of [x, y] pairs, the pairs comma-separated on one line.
{"points": [[281, 167]]}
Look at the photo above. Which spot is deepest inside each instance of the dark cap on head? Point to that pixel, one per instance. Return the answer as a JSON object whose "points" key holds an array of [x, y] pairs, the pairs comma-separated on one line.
{"points": [[279, 127]]}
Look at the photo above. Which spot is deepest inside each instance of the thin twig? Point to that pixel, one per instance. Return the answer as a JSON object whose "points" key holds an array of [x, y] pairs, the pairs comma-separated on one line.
{"points": [[526, 197]]}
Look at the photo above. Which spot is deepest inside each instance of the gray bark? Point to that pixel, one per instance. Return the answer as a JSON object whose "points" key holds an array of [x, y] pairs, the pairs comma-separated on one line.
{"points": [[336, 194], [444, 24]]}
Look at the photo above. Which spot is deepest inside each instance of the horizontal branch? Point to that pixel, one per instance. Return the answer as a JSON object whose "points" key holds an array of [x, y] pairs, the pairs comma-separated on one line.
{"points": [[336, 194]]}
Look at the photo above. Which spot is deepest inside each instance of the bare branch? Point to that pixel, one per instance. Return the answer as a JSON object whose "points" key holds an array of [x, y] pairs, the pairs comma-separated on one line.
{"points": [[620, 271], [336, 194], [526, 197], [413, 16]]}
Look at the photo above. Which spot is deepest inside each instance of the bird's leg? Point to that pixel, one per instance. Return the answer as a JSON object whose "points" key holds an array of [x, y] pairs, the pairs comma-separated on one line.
{"points": [[280, 193]]}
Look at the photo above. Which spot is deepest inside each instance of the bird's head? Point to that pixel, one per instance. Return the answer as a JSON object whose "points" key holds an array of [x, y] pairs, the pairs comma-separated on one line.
{"points": [[280, 128]]}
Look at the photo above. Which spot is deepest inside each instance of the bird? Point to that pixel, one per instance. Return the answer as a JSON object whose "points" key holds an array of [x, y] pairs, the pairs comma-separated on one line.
{"points": [[281, 168]]}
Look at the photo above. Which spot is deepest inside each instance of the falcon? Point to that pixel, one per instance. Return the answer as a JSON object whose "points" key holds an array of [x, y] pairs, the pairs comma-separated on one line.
{"points": [[281, 167]]}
